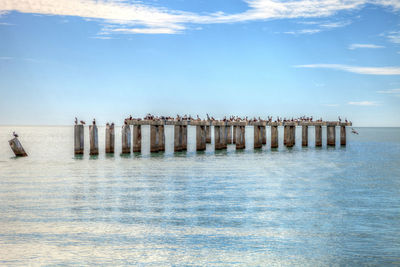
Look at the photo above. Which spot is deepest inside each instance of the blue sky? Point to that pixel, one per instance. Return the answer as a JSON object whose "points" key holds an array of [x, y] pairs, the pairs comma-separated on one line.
{"points": [[109, 59]]}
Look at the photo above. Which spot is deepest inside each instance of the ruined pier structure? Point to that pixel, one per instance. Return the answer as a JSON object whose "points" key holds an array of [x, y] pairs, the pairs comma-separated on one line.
{"points": [[225, 133]]}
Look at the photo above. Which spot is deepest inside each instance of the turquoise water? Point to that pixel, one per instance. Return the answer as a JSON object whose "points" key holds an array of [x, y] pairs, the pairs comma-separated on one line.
{"points": [[301, 206]]}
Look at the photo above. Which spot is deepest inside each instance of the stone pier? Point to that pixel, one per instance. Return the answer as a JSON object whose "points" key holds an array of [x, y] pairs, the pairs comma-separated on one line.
{"points": [[331, 135], [274, 137], [94, 140], [137, 138], [304, 135], [290, 135], [223, 137], [240, 137], [342, 135], [217, 138], [318, 135], [126, 139], [78, 139], [285, 134], [110, 138], [264, 135], [177, 138], [19, 150], [229, 134], [154, 139], [208, 134], [161, 138], [234, 134], [184, 137], [257, 137], [200, 138]]}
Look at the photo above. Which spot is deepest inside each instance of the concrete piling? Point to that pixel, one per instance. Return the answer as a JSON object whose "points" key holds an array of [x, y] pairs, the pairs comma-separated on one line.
{"points": [[285, 134], [290, 135], [223, 137], [177, 138], [274, 136], [78, 139], [318, 135], [257, 137], [243, 136], [200, 138], [234, 134], [331, 135], [126, 139], [184, 137], [294, 134], [208, 134], [217, 138], [154, 144], [94, 141], [161, 138], [263, 135], [240, 137], [304, 135], [110, 138], [342, 135], [18, 149], [229, 134], [137, 138]]}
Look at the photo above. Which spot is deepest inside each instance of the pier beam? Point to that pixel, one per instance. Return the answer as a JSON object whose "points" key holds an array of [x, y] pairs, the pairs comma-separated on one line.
{"points": [[318, 135], [161, 138], [342, 135], [274, 137], [304, 135], [184, 137], [110, 138], [208, 134], [257, 137], [19, 150], [331, 135], [200, 138], [78, 139], [217, 138], [137, 138], [263, 135], [177, 138], [154, 138], [94, 140], [126, 139]]}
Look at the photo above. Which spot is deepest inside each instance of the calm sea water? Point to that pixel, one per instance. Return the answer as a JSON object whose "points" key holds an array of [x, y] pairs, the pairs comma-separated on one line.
{"points": [[301, 206]]}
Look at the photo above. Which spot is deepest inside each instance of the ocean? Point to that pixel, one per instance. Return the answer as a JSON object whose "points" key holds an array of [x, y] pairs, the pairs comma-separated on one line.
{"points": [[300, 206]]}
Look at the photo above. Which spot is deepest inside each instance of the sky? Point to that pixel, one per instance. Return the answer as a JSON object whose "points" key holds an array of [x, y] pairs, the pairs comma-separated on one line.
{"points": [[110, 59]]}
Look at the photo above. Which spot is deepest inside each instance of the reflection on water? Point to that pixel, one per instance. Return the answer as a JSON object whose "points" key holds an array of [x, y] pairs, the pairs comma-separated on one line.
{"points": [[299, 206]]}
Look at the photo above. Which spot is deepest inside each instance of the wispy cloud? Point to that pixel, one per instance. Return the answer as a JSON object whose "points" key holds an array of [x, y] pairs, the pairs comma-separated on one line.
{"points": [[331, 105], [6, 24], [138, 17], [6, 58], [391, 91], [356, 69], [363, 103], [394, 36], [336, 24], [372, 46], [304, 31]]}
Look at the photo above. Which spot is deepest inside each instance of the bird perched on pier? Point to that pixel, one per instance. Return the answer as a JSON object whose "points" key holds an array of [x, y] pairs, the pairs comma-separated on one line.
{"points": [[82, 122], [94, 121], [15, 135], [340, 120], [76, 121]]}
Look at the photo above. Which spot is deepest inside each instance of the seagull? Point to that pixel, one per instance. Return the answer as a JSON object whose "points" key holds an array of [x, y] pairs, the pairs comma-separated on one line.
{"points": [[82, 122], [76, 121], [15, 135], [354, 131]]}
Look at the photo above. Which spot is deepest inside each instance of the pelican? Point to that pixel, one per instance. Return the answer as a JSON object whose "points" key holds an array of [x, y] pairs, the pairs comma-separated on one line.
{"points": [[76, 121], [82, 122], [354, 131], [15, 135]]}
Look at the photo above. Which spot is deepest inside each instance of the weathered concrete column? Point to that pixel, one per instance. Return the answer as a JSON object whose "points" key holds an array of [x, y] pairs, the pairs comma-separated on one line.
{"points": [[200, 138], [217, 138], [234, 134], [342, 135], [243, 136], [154, 144], [228, 134], [331, 135], [184, 137], [263, 135], [223, 137], [208, 134], [294, 134], [110, 138], [94, 140], [177, 138], [318, 135], [290, 136], [137, 138], [19, 150], [257, 137], [126, 139], [161, 138], [285, 134], [78, 139], [274, 137], [239, 138], [304, 135]]}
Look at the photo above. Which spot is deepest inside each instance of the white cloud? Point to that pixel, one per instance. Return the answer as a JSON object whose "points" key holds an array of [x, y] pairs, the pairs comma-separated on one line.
{"points": [[356, 69], [372, 46], [337, 24], [145, 18], [394, 37], [391, 91], [363, 103], [6, 58], [331, 105], [304, 31], [6, 24]]}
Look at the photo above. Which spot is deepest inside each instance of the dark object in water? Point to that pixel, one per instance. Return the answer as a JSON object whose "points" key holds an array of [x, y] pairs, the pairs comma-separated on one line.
{"points": [[17, 147]]}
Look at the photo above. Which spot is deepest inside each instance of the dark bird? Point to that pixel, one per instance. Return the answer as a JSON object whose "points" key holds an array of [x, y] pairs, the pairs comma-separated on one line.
{"points": [[82, 122], [76, 121], [94, 121], [354, 131], [15, 135]]}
